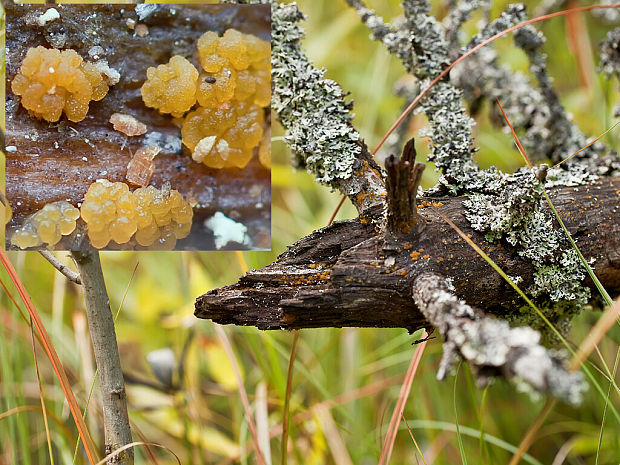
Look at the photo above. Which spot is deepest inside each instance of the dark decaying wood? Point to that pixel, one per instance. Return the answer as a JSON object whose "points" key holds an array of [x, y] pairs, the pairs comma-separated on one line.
{"points": [[58, 161], [342, 276], [403, 179]]}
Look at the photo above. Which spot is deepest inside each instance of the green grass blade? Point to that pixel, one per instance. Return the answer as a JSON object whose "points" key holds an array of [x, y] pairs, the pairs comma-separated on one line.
{"points": [[456, 417]]}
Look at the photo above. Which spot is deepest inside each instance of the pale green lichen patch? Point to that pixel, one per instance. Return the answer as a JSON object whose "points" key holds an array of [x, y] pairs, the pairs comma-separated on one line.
{"points": [[311, 108], [515, 213]]}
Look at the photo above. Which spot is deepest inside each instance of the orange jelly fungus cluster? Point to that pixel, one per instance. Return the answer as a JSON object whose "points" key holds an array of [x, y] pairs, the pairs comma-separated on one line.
{"points": [[264, 150], [233, 86], [48, 225], [223, 137], [155, 218], [171, 88], [237, 66], [50, 82]]}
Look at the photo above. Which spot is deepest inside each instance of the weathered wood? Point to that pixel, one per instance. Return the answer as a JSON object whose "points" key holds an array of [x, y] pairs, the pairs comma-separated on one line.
{"points": [[58, 161], [402, 181], [341, 275]]}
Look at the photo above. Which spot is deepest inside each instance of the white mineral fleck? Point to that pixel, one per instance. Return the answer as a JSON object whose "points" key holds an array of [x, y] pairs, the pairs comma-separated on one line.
{"points": [[227, 230], [48, 16]]}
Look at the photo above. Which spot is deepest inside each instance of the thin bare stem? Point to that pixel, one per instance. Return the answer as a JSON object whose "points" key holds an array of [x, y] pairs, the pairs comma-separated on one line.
{"points": [[68, 272], [103, 334]]}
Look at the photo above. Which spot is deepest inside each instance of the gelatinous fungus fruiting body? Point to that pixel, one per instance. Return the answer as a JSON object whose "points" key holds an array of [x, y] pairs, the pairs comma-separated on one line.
{"points": [[233, 86], [171, 88], [154, 218], [224, 137], [51, 81], [236, 66], [47, 226], [264, 150]]}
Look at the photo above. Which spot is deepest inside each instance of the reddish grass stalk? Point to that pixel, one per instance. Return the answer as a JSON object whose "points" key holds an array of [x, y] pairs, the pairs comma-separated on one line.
{"points": [[580, 47], [53, 356], [221, 334], [399, 408], [41, 396]]}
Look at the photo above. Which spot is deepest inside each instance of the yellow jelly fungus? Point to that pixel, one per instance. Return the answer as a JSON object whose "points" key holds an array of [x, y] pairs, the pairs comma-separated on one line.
{"points": [[48, 225], [236, 66], [154, 218], [171, 88], [50, 82], [224, 137], [264, 150]]}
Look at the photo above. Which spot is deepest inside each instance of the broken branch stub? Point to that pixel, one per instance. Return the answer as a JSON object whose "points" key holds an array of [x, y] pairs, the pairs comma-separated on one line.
{"points": [[403, 179]]}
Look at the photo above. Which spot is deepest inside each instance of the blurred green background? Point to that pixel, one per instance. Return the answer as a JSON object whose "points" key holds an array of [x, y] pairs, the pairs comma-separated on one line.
{"points": [[345, 381]]}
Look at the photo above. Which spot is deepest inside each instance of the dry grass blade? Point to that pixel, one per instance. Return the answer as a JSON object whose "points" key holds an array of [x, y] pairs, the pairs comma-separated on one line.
{"points": [[399, 408], [287, 399], [333, 438], [415, 443], [529, 437], [222, 336], [341, 399], [41, 396], [53, 356], [598, 331], [147, 444], [587, 145], [16, 410]]}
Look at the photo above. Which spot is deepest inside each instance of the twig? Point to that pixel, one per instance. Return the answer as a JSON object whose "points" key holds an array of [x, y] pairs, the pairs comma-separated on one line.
{"points": [[491, 346], [102, 332], [68, 272]]}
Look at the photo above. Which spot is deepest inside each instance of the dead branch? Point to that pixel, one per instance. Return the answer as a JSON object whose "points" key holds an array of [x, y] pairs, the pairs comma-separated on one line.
{"points": [[68, 272], [491, 346], [341, 276]]}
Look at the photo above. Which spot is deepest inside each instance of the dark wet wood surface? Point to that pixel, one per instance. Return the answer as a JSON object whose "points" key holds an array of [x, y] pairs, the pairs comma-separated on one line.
{"points": [[58, 161]]}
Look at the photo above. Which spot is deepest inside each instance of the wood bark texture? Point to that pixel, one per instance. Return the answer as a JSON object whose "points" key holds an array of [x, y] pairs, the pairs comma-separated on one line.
{"points": [[58, 161], [103, 335], [342, 276]]}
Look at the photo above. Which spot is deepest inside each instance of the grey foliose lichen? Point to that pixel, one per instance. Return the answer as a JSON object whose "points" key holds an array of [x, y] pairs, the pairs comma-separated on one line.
{"points": [[311, 108], [491, 346], [515, 214], [610, 54], [419, 42], [503, 206]]}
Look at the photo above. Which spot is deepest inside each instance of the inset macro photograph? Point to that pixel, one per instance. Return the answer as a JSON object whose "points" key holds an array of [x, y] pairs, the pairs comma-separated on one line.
{"points": [[138, 127]]}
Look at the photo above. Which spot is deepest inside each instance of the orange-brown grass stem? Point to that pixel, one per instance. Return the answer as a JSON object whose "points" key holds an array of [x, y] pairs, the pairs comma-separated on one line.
{"points": [[399, 408], [48, 346]]}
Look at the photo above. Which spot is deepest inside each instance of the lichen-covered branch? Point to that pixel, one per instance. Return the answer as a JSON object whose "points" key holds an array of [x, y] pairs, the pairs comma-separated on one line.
{"points": [[317, 118], [342, 276], [491, 346]]}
